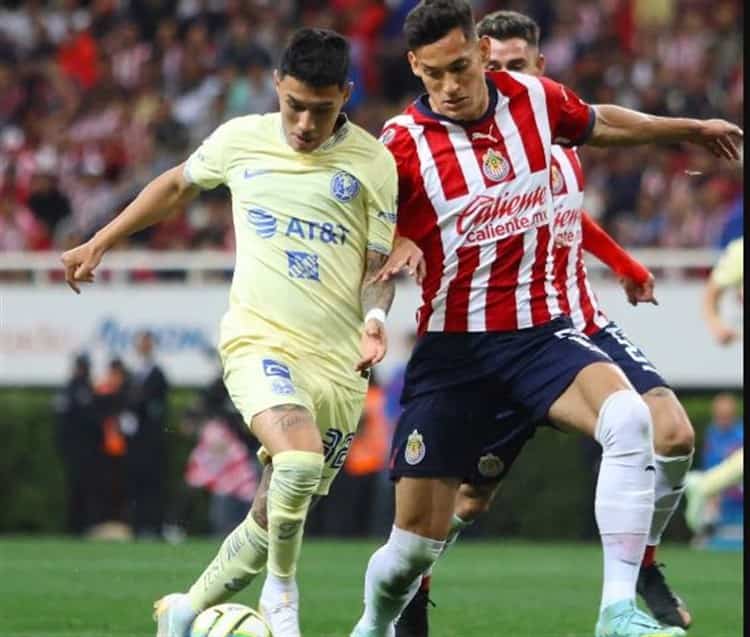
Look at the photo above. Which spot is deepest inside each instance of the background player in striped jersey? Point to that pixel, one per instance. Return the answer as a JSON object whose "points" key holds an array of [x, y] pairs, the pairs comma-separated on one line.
{"points": [[473, 156], [313, 203], [514, 46]]}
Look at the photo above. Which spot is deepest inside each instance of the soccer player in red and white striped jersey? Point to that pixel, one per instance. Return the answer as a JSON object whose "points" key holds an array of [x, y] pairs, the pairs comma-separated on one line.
{"points": [[514, 46], [474, 157]]}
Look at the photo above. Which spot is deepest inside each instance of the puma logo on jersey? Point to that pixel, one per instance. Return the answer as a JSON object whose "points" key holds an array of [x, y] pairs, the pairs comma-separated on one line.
{"points": [[487, 135]]}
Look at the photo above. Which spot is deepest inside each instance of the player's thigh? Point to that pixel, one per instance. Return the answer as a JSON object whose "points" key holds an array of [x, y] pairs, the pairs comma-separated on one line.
{"points": [[673, 433], [338, 412], [425, 506], [271, 394], [564, 378]]}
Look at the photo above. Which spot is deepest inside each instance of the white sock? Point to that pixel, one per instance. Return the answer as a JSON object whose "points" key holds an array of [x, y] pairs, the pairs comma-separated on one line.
{"points": [[622, 561], [276, 586], [624, 502], [393, 576], [668, 490], [458, 524]]}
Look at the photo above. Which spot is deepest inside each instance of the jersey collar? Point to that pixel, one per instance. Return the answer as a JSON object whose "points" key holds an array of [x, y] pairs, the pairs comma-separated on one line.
{"points": [[423, 106]]}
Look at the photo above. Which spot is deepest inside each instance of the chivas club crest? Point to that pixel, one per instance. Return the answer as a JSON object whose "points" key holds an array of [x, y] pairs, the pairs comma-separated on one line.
{"points": [[415, 448], [490, 466], [556, 180], [495, 166]]}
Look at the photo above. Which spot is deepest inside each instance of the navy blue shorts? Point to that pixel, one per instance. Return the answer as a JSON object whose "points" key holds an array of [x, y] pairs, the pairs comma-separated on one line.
{"points": [[516, 429], [640, 371], [456, 385]]}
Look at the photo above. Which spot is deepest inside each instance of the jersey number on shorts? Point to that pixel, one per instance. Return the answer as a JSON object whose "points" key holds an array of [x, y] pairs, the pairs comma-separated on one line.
{"points": [[633, 351], [335, 455], [574, 335]]}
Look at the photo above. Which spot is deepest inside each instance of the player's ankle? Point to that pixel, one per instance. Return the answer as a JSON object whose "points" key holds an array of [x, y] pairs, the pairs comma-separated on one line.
{"points": [[649, 556]]}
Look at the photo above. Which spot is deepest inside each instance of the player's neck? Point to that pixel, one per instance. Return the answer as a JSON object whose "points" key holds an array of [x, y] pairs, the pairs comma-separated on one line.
{"points": [[481, 108]]}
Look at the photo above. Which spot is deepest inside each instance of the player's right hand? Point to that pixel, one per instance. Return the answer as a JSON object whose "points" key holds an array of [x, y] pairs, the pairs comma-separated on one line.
{"points": [[79, 263], [640, 292], [724, 334], [405, 254], [721, 138]]}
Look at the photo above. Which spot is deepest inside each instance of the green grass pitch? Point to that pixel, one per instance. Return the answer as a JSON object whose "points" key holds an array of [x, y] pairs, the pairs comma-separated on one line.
{"points": [[59, 588]]}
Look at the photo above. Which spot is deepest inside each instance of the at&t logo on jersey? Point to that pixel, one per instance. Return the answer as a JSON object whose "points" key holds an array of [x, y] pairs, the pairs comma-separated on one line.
{"points": [[495, 166], [263, 222], [344, 186]]}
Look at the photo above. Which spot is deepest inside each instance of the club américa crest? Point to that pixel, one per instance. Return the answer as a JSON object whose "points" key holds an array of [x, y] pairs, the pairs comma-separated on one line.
{"points": [[495, 166], [344, 186]]}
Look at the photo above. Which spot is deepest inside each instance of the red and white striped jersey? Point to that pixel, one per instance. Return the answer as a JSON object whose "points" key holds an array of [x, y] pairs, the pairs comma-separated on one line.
{"points": [[475, 196], [577, 298]]}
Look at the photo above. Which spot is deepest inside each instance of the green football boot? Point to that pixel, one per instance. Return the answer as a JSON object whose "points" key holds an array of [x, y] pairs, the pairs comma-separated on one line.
{"points": [[623, 619]]}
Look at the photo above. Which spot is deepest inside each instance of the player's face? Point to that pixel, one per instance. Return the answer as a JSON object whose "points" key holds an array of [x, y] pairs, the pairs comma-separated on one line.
{"points": [[452, 71], [308, 113], [514, 54]]}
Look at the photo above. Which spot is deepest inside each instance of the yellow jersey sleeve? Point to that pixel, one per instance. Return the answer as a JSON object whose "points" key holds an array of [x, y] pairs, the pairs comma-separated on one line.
{"points": [[381, 209], [207, 166], [728, 271]]}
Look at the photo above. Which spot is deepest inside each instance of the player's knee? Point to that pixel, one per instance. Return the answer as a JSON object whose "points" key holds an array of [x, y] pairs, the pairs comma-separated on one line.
{"points": [[673, 432], [473, 502], [624, 427], [412, 554], [296, 475]]}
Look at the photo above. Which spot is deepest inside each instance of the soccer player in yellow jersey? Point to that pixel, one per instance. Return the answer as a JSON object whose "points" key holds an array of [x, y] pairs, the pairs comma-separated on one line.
{"points": [[314, 201], [701, 485]]}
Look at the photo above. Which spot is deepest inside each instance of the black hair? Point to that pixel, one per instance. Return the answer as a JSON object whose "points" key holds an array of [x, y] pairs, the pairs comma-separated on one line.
{"points": [[432, 20], [318, 57], [503, 25]]}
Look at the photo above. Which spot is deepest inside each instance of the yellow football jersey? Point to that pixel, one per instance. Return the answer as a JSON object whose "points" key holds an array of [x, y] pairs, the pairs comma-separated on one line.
{"points": [[303, 223], [728, 271]]}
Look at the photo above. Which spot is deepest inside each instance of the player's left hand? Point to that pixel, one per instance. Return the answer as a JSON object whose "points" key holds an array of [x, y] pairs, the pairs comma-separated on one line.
{"points": [[721, 138], [373, 345], [640, 292], [405, 254]]}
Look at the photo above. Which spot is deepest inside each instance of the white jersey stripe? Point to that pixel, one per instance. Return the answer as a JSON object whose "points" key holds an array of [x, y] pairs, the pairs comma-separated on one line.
{"points": [[525, 270], [472, 172]]}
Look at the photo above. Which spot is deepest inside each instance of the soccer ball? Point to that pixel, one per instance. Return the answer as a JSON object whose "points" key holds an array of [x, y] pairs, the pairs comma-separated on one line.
{"points": [[229, 620]]}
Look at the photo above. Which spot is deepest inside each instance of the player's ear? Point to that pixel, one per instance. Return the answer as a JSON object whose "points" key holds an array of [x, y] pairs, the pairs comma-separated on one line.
{"points": [[413, 63], [276, 78], [484, 49], [541, 62], [348, 89]]}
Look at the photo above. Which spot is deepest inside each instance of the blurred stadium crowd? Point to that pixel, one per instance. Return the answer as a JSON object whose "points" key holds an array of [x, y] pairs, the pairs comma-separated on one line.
{"points": [[97, 97]]}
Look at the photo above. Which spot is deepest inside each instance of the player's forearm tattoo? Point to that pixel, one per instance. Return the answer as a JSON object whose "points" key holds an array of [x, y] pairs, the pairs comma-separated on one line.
{"points": [[376, 293]]}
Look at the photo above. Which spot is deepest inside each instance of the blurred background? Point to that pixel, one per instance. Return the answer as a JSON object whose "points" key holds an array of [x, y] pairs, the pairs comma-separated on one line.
{"points": [[113, 417]]}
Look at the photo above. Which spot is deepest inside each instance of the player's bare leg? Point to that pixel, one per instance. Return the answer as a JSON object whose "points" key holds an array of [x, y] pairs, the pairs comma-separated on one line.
{"points": [[601, 403], [471, 502], [245, 551], [291, 437], [424, 509], [674, 441]]}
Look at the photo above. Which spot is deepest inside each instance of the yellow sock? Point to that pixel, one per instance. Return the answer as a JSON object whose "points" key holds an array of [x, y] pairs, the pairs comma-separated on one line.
{"points": [[724, 475], [296, 475], [241, 557]]}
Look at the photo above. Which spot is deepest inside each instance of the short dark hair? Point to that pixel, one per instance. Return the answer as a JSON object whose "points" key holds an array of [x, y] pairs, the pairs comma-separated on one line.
{"points": [[318, 57], [432, 20], [503, 25]]}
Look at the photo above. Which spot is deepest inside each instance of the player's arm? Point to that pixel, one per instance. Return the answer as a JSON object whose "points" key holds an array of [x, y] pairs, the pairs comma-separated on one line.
{"points": [[160, 198], [618, 126], [634, 276], [726, 273], [723, 333], [377, 297]]}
